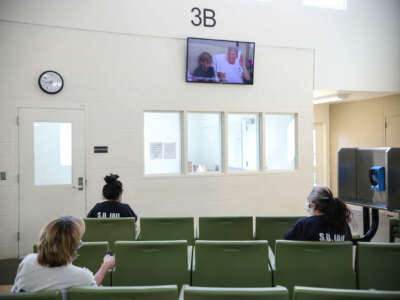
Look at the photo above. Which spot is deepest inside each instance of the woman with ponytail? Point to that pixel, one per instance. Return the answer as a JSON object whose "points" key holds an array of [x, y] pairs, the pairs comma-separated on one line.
{"points": [[112, 207], [328, 221]]}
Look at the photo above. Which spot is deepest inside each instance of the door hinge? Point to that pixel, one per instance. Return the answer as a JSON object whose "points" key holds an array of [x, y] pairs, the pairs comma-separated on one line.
{"points": [[17, 120], [17, 178], [18, 236], [385, 124]]}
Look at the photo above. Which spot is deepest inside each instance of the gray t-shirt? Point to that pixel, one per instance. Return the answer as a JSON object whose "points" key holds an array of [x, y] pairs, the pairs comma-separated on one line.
{"points": [[33, 277]]}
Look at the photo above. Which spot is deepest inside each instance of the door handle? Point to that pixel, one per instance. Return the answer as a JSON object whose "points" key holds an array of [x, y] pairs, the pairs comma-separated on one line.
{"points": [[79, 187]]}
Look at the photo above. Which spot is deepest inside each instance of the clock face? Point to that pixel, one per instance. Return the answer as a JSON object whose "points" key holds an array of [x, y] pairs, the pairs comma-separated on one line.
{"points": [[51, 82]]}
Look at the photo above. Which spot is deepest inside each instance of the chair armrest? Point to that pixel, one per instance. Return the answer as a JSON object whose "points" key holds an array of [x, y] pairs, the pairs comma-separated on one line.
{"points": [[138, 236], [193, 260], [181, 292], [271, 257], [190, 257]]}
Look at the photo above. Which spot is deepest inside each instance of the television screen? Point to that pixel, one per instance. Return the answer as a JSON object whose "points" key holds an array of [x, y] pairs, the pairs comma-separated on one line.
{"points": [[219, 61]]}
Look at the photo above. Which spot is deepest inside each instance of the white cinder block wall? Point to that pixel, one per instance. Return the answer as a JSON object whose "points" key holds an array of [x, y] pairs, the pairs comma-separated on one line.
{"points": [[121, 58]]}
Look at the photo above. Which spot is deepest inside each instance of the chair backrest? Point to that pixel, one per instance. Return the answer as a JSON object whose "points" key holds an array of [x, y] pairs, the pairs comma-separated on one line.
{"points": [[110, 230], [309, 293], [45, 295], [151, 263], [207, 293], [231, 264], [91, 257], [163, 292], [272, 228], [378, 266], [162, 229], [318, 264], [225, 228]]}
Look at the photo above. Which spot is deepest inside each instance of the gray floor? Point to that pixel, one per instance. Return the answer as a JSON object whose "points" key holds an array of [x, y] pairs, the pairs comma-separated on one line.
{"points": [[382, 235], [8, 269]]}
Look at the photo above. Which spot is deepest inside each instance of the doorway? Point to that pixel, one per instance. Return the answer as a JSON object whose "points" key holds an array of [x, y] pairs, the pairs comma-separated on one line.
{"points": [[319, 155], [52, 169]]}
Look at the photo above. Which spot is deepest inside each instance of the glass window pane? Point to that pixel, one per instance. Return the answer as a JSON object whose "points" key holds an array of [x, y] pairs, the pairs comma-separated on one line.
{"points": [[204, 142], [280, 141], [52, 153], [162, 142], [243, 142]]}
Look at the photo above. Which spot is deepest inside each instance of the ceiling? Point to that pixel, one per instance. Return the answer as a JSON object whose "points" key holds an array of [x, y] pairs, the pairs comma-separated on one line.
{"points": [[350, 95]]}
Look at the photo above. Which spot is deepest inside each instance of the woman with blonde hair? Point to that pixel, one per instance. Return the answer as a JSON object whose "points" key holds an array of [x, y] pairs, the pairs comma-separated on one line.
{"points": [[328, 221], [51, 268]]}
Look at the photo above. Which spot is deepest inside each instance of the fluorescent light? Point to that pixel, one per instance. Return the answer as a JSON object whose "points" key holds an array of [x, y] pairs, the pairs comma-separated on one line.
{"points": [[332, 4], [331, 98], [327, 100]]}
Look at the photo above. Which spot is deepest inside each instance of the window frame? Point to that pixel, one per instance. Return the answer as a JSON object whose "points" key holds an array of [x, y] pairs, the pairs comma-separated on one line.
{"points": [[224, 135], [222, 142], [296, 141], [181, 120]]}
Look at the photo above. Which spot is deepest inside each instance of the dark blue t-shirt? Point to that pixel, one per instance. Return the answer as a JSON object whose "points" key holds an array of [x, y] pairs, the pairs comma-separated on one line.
{"points": [[111, 209], [201, 75], [316, 228]]}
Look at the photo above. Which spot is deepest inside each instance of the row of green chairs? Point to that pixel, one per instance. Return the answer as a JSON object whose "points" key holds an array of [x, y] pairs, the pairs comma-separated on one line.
{"points": [[323, 264], [209, 228], [170, 292], [248, 264]]}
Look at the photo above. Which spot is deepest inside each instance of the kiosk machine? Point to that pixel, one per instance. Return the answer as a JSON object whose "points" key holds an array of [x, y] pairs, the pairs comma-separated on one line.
{"points": [[370, 177]]}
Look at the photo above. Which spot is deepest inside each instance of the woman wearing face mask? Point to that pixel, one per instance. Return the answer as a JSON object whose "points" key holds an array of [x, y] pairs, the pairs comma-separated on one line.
{"points": [[112, 207], [328, 222]]}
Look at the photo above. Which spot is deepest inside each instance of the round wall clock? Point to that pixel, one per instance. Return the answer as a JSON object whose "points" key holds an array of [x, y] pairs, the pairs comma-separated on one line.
{"points": [[51, 82]]}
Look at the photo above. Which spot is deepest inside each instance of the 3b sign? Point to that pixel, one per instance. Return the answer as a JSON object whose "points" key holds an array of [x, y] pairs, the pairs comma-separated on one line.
{"points": [[207, 18]]}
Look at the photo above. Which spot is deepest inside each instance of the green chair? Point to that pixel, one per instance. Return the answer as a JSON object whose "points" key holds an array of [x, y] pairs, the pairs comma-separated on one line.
{"points": [[110, 230], [161, 229], [45, 295], [161, 292], [318, 264], [91, 257], [151, 263], [309, 293], [273, 228], [231, 264], [378, 266], [206, 293], [225, 228]]}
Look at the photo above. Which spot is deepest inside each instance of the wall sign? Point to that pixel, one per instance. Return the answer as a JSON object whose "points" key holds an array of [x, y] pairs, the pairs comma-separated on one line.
{"points": [[207, 18], [100, 149]]}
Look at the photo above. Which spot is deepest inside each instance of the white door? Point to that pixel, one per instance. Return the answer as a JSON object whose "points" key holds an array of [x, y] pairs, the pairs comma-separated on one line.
{"points": [[51, 169], [318, 151], [393, 129]]}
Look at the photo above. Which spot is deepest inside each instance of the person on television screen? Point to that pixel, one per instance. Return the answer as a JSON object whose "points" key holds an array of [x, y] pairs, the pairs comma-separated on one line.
{"points": [[204, 72], [230, 67]]}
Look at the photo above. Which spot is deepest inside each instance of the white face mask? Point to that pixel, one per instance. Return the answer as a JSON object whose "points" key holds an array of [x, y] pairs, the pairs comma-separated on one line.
{"points": [[309, 209]]}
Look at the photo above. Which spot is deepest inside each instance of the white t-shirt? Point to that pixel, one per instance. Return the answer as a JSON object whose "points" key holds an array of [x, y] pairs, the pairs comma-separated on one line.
{"points": [[33, 277], [233, 71]]}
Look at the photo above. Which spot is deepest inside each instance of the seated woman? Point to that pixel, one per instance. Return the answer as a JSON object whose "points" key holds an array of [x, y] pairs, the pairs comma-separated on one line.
{"points": [[328, 222], [112, 207], [52, 267]]}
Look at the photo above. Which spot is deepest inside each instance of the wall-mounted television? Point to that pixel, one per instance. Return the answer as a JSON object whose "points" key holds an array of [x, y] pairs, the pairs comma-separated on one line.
{"points": [[219, 61]]}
